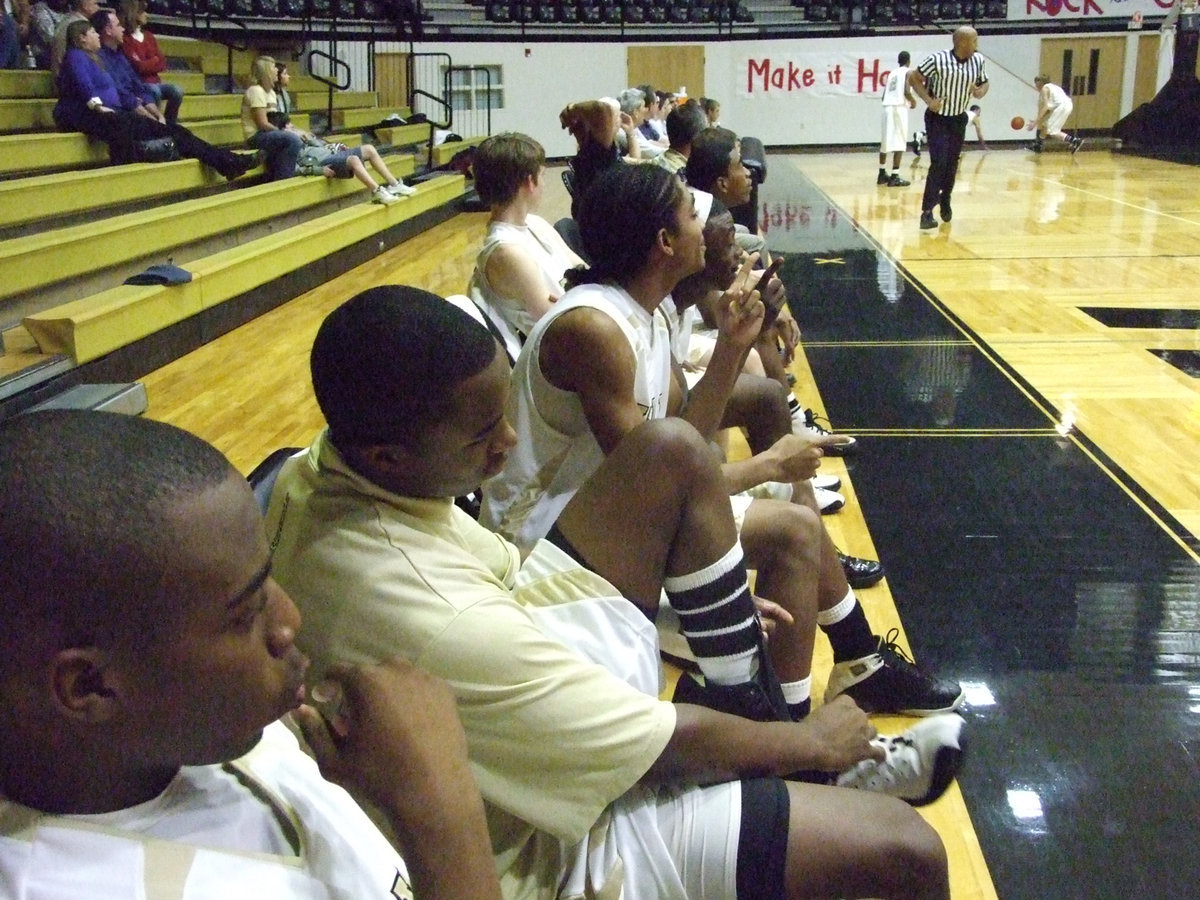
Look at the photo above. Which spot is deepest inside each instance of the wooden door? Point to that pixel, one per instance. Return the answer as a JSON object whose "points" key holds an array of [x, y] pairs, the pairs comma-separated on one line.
{"points": [[1090, 71], [1146, 72], [391, 79], [667, 68]]}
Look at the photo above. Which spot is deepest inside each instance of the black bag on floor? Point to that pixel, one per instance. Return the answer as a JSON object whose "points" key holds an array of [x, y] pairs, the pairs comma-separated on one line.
{"points": [[155, 150]]}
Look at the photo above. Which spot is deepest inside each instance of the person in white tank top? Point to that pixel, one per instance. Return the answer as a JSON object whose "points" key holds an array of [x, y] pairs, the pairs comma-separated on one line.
{"points": [[1054, 108], [519, 270], [897, 100], [599, 366], [140, 688]]}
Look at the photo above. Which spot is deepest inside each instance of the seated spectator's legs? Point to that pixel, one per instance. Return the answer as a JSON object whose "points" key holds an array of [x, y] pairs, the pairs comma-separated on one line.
{"points": [[355, 164], [167, 97], [120, 130], [280, 150], [10, 42], [371, 155]]}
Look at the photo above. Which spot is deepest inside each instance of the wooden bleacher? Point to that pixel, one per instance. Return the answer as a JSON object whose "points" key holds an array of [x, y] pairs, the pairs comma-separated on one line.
{"points": [[96, 325], [72, 227]]}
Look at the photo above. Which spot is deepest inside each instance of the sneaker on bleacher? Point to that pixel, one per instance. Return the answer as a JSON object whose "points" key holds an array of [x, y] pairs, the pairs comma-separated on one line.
{"points": [[382, 195], [399, 189]]}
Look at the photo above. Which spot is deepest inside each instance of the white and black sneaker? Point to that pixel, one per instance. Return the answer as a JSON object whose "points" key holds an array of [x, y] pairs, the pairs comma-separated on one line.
{"points": [[383, 196], [828, 502], [825, 482], [814, 426], [887, 681], [920, 763], [400, 189]]}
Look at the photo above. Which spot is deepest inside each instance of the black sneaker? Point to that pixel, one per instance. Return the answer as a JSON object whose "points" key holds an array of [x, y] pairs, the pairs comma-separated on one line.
{"points": [[927, 219], [897, 181], [887, 681], [748, 699], [860, 573], [1036, 146], [1076, 143], [813, 424], [944, 209], [883, 177]]}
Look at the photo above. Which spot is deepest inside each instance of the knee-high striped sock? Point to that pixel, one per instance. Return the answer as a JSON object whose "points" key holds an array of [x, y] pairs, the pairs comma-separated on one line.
{"points": [[718, 617], [846, 626]]}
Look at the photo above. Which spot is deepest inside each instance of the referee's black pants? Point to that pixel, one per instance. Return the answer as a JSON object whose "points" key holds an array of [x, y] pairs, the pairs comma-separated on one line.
{"points": [[945, 137]]}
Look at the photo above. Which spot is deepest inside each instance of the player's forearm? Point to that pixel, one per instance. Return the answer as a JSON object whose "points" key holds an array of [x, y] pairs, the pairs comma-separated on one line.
{"points": [[744, 474], [708, 399], [708, 747], [446, 847]]}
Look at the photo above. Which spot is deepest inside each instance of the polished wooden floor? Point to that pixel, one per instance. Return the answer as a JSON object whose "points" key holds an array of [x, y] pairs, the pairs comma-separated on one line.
{"points": [[1034, 242]]}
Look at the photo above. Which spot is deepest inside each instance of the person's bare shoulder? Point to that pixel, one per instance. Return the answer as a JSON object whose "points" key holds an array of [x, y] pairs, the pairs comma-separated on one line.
{"points": [[582, 347]]}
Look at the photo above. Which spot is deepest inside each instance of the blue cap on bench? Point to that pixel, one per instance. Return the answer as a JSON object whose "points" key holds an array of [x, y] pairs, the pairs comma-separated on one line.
{"points": [[163, 273]]}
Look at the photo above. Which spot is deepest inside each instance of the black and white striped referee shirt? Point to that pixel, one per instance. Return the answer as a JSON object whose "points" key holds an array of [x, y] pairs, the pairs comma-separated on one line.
{"points": [[951, 79]]}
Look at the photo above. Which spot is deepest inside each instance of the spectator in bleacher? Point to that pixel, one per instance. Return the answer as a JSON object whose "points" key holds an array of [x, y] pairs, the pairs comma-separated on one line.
{"points": [[594, 125], [282, 117], [631, 142], [653, 129], [141, 49], [89, 101], [684, 122], [78, 11], [43, 22], [14, 32], [280, 147], [135, 93], [519, 270], [712, 109], [340, 161]]}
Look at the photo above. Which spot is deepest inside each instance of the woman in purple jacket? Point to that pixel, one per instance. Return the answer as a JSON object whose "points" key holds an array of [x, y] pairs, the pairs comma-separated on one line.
{"points": [[88, 101]]}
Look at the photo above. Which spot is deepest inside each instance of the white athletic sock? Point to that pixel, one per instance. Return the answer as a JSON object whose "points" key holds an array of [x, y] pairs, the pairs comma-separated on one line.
{"points": [[797, 691]]}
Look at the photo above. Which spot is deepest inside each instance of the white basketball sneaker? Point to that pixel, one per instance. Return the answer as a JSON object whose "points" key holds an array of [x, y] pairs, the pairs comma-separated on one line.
{"points": [[920, 763]]}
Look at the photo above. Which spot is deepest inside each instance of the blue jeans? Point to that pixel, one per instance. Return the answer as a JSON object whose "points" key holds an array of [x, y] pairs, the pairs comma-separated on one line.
{"points": [[10, 44], [169, 94], [280, 150]]}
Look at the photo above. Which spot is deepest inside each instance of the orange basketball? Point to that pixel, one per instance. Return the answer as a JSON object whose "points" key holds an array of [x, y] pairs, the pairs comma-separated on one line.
{"points": [[1017, 123]]}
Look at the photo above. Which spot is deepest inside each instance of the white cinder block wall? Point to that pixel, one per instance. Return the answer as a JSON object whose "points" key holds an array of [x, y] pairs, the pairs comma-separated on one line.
{"points": [[541, 78]]}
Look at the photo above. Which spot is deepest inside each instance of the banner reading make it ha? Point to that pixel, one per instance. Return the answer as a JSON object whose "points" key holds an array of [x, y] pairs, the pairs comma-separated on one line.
{"points": [[819, 74]]}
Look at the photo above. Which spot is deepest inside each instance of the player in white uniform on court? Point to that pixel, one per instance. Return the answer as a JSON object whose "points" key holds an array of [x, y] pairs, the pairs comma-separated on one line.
{"points": [[1054, 108], [897, 100]]}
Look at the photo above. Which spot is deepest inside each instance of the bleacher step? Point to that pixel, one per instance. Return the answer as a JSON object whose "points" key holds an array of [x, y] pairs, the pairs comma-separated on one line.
{"points": [[117, 398]]}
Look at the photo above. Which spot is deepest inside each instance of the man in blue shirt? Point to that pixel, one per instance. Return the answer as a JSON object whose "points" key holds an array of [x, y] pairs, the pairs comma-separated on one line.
{"points": [[135, 95]]}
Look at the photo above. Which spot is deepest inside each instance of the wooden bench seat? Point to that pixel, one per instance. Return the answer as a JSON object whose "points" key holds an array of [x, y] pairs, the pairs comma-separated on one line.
{"points": [[364, 117], [444, 152], [404, 135], [88, 328], [38, 197], [318, 101], [38, 260], [52, 151]]}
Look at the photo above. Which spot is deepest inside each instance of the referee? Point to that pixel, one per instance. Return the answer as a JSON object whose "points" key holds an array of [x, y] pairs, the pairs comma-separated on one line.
{"points": [[947, 81]]}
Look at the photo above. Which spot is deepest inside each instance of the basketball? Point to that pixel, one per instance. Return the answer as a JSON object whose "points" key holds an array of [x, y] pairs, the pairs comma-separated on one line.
{"points": [[1018, 123]]}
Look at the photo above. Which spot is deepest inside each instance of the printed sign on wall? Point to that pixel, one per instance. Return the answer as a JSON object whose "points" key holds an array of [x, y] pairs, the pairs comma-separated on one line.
{"points": [[789, 75], [1042, 10]]}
